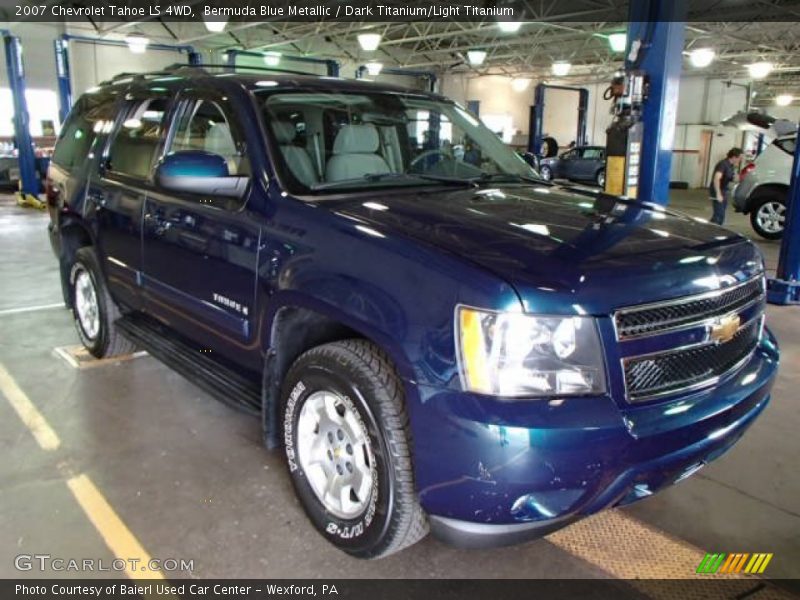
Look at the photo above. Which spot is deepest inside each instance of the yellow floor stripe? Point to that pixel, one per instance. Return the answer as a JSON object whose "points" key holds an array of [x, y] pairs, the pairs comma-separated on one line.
{"points": [[626, 548], [116, 534], [27, 412]]}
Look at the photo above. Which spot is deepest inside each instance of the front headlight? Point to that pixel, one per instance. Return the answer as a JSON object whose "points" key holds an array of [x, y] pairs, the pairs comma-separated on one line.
{"points": [[514, 354]]}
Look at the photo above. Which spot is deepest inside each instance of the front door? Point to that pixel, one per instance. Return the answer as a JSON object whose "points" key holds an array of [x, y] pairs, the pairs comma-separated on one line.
{"points": [[118, 194], [200, 252]]}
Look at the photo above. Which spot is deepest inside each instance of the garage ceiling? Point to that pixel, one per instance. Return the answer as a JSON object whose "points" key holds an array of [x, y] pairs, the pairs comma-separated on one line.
{"points": [[572, 30]]}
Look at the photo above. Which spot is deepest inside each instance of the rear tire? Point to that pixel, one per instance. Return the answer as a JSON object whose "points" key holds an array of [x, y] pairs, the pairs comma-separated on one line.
{"points": [[93, 308], [768, 216], [345, 432]]}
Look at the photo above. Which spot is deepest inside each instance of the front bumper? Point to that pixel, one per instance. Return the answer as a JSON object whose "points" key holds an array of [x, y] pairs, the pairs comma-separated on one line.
{"points": [[519, 470]]}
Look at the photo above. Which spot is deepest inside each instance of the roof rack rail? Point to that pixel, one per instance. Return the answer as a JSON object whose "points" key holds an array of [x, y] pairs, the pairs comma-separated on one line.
{"points": [[227, 67]]}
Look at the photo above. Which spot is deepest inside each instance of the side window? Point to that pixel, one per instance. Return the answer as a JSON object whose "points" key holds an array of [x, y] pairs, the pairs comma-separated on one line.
{"points": [[204, 126], [593, 153], [570, 155], [135, 143], [92, 114]]}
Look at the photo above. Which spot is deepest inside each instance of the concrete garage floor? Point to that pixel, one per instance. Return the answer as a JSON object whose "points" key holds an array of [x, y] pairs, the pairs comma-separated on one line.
{"points": [[189, 479]]}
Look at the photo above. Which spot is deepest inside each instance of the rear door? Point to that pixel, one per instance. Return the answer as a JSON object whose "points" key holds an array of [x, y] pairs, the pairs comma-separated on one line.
{"points": [[118, 194], [200, 252]]}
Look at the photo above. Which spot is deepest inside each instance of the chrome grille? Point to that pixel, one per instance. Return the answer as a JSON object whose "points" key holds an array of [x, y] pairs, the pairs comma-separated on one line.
{"points": [[653, 319], [650, 376]]}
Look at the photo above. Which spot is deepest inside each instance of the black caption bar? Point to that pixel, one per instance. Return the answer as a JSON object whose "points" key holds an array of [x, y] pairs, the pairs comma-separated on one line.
{"points": [[387, 589], [373, 10]]}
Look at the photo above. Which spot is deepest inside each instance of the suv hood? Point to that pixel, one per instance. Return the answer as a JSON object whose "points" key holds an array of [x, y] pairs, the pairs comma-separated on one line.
{"points": [[566, 251]]}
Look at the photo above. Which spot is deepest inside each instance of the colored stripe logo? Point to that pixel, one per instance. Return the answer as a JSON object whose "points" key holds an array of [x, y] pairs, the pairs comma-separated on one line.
{"points": [[752, 564]]}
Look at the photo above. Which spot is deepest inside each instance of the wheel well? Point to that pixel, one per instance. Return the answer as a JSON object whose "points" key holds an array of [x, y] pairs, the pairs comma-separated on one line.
{"points": [[767, 190], [73, 236], [294, 331]]}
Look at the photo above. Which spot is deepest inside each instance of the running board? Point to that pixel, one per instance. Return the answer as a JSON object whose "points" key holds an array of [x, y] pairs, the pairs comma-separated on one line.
{"points": [[224, 383]]}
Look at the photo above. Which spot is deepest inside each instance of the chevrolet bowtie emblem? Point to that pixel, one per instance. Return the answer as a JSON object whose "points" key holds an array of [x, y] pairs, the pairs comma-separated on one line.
{"points": [[723, 329]]}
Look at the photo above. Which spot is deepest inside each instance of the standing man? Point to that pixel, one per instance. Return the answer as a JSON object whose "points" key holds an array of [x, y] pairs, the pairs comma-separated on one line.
{"points": [[719, 188]]}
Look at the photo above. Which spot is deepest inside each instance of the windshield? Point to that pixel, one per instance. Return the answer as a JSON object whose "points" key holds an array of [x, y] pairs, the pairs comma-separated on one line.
{"points": [[335, 142]]}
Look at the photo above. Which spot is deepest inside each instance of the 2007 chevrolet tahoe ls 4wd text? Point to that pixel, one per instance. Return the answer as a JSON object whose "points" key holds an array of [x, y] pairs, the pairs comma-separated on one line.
{"points": [[437, 339]]}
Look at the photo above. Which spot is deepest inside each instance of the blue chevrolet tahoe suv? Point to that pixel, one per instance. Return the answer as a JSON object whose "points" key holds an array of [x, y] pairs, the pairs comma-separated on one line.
{"points": [[436, 340]]}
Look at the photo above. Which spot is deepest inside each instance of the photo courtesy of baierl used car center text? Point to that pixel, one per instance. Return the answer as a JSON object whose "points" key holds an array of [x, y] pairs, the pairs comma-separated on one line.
{"points": [[358, 299]]}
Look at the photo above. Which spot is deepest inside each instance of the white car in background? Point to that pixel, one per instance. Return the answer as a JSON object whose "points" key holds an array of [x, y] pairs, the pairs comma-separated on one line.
{"points": [[763, 189]]}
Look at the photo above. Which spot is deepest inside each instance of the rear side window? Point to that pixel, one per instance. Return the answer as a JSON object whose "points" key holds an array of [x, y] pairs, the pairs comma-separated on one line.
{"points": [[595, 153], [134, 146], [788, 145], [91, 115]]}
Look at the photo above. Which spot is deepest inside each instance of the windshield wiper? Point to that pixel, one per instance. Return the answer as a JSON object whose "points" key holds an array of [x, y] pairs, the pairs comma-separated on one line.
{"points": [[505, 178], [376, 177]]}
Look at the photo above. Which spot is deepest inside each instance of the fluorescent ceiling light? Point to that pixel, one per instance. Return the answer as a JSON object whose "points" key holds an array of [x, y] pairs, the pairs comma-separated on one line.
{"points": [[784, 99], [217, 26], [137, 43], [476, 57], [701, 57], [374, 68], [369, 41], [561, 68], [509, 26], [760, 70], [618, 41], [272, 59], [520, 84]]}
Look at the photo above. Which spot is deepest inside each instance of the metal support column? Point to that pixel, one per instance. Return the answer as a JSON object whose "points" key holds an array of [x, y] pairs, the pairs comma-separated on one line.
{"points": [[63, 74], [784, 288], [29, 181], [537, 120], [657, 28], [536, 125]]}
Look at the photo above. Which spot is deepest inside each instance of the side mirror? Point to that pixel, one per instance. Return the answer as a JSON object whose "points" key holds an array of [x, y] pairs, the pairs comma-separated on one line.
{"points": [[199, 172]]}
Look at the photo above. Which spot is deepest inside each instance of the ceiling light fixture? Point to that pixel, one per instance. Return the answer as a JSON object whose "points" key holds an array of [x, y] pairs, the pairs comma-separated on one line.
{"points": [[784, 99], [702, 57], [374, 68], [760, 70], [216, 26], [272, 59], [561, 68], [509, 26], [137, 43], [476, 57], [369, 41], [618, 42]]}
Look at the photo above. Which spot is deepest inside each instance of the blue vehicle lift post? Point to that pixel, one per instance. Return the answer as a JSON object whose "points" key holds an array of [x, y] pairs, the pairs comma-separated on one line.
{"points": [[63, 72], [429, 75], [659, 25], [784, 288], [29, 182], [536, 131], [331, 66]]}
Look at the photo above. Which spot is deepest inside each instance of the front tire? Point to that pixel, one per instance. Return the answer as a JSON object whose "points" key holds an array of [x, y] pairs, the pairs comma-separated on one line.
{"points": [[345, 432], [600, 178], [93, 308], [768, 217]]}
